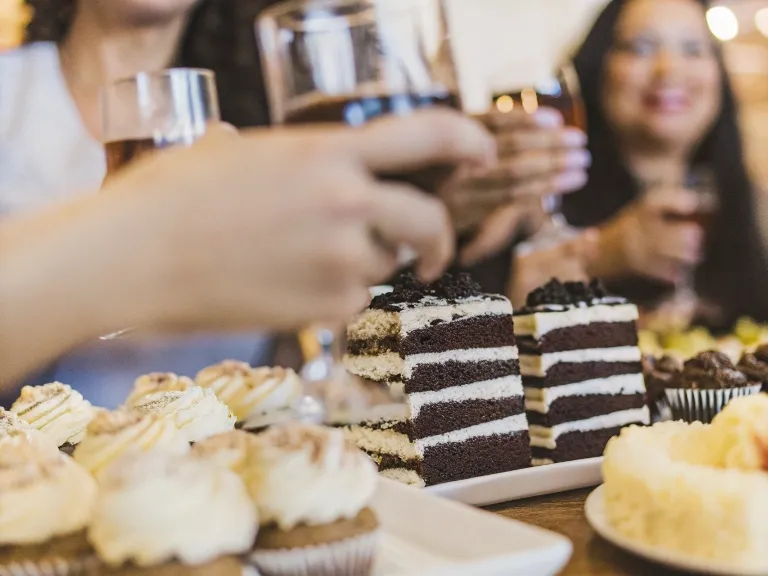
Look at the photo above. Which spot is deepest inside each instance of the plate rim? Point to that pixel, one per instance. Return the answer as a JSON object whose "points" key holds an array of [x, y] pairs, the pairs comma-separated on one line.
{"points": [[445, 490], [551, 553], [594, 510]]}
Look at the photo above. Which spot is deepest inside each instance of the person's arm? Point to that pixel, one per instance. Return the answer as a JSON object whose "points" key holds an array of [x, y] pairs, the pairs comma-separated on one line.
{"points": [[67, 275], [274, 229]]}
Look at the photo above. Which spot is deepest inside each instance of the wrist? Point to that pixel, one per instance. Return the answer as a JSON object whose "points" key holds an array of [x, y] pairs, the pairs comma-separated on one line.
{"points": [[609, 259]]}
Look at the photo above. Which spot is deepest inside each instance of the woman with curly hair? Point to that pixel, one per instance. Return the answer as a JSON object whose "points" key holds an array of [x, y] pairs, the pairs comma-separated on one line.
{"points": [[50, 147]]}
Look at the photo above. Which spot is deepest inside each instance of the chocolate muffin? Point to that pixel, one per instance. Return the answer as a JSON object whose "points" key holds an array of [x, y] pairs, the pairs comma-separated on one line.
{"points": [[660, 374], [706, 384], [711, 371], [755, 366]]}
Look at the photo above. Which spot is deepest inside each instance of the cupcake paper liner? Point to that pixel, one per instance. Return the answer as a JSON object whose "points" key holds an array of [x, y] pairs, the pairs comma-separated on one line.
{"points": [[51, 567], [350, 557], [703, 405]]}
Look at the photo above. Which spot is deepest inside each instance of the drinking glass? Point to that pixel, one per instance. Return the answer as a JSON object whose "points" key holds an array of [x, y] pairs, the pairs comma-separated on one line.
{"points": [[684, 305], [559, 90], [152, 111], [348, 62]]}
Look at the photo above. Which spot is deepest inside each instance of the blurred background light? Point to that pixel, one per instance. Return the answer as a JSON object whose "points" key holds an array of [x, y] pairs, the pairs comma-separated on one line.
{"points": [[723, 23]]}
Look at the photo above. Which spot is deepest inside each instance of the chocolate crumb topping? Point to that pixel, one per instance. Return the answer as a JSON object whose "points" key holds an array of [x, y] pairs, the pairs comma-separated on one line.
{"points": [[660, 373], [556, 293], [755, 365], [711, 371], [409, 290]]}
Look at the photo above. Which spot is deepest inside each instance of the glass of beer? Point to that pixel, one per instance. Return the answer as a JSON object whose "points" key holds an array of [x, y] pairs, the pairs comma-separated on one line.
{"points": [[349, 62], [155, 110], [560, 91]]}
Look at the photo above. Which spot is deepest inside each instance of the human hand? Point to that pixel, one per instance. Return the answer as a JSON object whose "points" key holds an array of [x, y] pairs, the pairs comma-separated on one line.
{"points": [[654, 237], [539, 157], [569, 261], [280, 228]]}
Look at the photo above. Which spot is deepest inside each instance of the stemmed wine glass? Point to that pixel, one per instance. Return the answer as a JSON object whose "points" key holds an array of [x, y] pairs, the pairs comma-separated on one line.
{"points": [[559, 90], [350, 61], [684, 305], [152, 111]]}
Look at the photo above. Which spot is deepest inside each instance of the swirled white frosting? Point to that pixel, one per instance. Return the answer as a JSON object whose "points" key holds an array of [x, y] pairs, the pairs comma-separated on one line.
{"points": [[309, 475], [56, 410], [43, 494], [157, 382], [195, 411], [157, 506], [112, 434], [233, 450], [251, 392], [12, 427]]}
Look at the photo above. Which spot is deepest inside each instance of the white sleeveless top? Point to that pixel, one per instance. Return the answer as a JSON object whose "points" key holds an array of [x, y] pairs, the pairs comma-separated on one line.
{"points": [[47, 155]]}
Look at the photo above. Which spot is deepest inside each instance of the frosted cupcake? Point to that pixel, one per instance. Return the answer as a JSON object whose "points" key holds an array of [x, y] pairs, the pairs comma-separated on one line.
{"points": [[157, 382], [312, 490], [164, 509], [12, 427], [234, 450], [196, 412], [259, 397], [46, 501], [112, 434], [56, 410]]}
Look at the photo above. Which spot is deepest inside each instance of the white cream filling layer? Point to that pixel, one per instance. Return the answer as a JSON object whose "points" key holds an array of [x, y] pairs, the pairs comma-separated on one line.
{"points": [[391, 364], [421, 317], [540, 399], [396, 444], [541, 461], [543, 437], [404, 476], [540, 323], [531, 365], [507, 387]]}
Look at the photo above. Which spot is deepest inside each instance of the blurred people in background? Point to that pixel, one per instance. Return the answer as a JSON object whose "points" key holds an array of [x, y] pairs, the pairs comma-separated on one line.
{"points": [[662, 127], [50, 146], [50, 132]]}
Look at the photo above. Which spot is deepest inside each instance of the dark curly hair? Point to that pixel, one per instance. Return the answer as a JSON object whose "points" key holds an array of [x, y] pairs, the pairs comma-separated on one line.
{"points": [[219, 36]]}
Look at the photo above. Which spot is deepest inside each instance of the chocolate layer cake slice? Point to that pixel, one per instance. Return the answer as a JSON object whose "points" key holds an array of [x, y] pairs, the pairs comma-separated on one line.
{"points": [[450, 349], [581, 369]]}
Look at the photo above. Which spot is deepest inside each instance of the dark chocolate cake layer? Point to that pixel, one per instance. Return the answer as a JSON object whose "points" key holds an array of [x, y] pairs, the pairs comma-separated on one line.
{"points": [[461, 460], [490, 331], [578, 445], [432, 377], [572, 372], [580, 337], [476, 457], [443, 417], [572, 408]]}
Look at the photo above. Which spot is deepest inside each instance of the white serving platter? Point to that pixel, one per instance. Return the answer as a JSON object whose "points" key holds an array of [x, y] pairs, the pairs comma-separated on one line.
{"points": [[536, 481], [594, 509], [428, 536]]}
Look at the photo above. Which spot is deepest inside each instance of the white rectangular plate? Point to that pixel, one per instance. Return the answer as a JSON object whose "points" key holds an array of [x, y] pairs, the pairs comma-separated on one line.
{"points": [[428, 536], [519, 484]]}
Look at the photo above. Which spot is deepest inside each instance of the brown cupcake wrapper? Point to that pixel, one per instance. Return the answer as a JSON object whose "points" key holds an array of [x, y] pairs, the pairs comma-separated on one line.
{"points": [[350, 557], [703, 405], [52, 567]]}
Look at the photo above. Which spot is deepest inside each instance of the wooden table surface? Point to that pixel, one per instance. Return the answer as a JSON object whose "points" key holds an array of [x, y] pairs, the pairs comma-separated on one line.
{"points": [[592, 556]]}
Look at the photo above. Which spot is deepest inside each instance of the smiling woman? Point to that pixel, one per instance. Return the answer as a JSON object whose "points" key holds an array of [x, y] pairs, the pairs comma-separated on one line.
{"points": [[660, 110]]}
